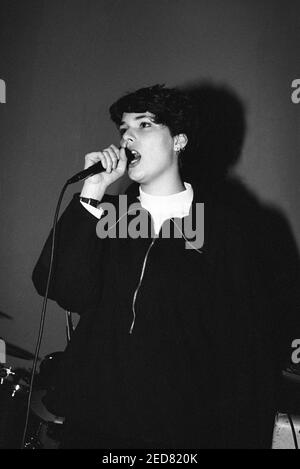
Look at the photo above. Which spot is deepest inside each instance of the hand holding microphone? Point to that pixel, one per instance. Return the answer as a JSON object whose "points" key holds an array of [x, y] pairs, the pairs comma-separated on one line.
{"points": [[101, 170]]}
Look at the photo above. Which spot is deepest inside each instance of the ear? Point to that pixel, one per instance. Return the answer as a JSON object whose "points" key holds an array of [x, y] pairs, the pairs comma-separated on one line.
{"points": [[180, 142]]}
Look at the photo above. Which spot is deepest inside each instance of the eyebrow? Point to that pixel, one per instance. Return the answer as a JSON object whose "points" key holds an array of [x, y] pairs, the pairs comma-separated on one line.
{"points": [[140, 117]]}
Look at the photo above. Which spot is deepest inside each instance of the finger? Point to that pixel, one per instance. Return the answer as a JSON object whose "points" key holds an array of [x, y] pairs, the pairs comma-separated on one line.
{"points": [[108, 161], [117, 154], [122, 154], [114, 153], [113, 157], [122, 161], [116, 150], [103, 161], [91, 158]]}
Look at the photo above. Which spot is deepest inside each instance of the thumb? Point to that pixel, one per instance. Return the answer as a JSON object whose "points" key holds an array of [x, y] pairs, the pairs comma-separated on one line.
{"points": [[123, 159]]}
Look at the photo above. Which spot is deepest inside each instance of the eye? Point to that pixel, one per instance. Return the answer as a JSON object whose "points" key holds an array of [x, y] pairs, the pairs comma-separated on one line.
{"points": [[145, 124], [122, 131]]}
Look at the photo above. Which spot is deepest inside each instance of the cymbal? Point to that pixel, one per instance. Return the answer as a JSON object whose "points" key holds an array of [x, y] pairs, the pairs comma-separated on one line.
{"points": [[4, 315], [18, 352]]}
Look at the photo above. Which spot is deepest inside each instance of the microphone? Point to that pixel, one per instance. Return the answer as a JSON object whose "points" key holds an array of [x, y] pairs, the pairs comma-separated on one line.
{"points": [[96, 169]]}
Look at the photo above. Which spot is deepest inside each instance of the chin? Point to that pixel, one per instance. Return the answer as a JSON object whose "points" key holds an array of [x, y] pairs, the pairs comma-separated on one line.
{"points": [[136, 176]]}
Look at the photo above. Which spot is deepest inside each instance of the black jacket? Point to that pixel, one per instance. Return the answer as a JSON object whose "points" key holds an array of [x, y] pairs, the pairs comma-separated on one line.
{"points": [[212, 331]]}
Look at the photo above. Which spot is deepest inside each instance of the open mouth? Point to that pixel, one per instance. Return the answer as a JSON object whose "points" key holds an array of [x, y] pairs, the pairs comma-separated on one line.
{"points": [[136, 158]]}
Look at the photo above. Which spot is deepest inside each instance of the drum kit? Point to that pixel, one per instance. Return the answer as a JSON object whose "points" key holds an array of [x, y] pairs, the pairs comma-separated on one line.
{"points": [[44, 428]]}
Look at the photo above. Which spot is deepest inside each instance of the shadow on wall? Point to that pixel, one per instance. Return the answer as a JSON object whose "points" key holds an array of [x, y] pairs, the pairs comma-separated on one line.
{"points": [[219, 129]]}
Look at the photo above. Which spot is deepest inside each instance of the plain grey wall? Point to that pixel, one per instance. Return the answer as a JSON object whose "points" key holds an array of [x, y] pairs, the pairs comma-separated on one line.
{"points": [[65, 61]]}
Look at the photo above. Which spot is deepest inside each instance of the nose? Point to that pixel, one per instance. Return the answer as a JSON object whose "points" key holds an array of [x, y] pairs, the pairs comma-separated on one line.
{"points": [[127, 138]]}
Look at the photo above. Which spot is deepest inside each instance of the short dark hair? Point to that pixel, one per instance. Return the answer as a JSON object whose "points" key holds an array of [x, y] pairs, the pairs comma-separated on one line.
{"points": [[170, 106]]}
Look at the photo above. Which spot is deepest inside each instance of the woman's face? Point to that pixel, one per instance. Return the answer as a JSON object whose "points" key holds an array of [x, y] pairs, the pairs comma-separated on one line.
{"points": [[155, 146]]}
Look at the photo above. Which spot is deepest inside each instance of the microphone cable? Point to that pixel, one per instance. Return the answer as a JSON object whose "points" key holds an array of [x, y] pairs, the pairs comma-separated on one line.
{"points": [[42, 320]]}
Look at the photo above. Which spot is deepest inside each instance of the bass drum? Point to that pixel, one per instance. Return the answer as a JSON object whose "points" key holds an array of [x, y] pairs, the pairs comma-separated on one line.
{"points": [[44, 431], [45, 428]]}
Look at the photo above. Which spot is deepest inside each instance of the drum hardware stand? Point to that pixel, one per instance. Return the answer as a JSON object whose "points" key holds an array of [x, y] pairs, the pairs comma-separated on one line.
{"points": [[34, 441], [4, 373]]}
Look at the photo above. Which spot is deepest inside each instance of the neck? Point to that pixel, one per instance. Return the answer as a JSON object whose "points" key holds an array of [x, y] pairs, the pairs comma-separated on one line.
{"points": [[164, 186]]}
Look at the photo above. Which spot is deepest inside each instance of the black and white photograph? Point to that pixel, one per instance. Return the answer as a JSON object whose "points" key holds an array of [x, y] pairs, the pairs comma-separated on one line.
{"points": [[150, 227]]}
